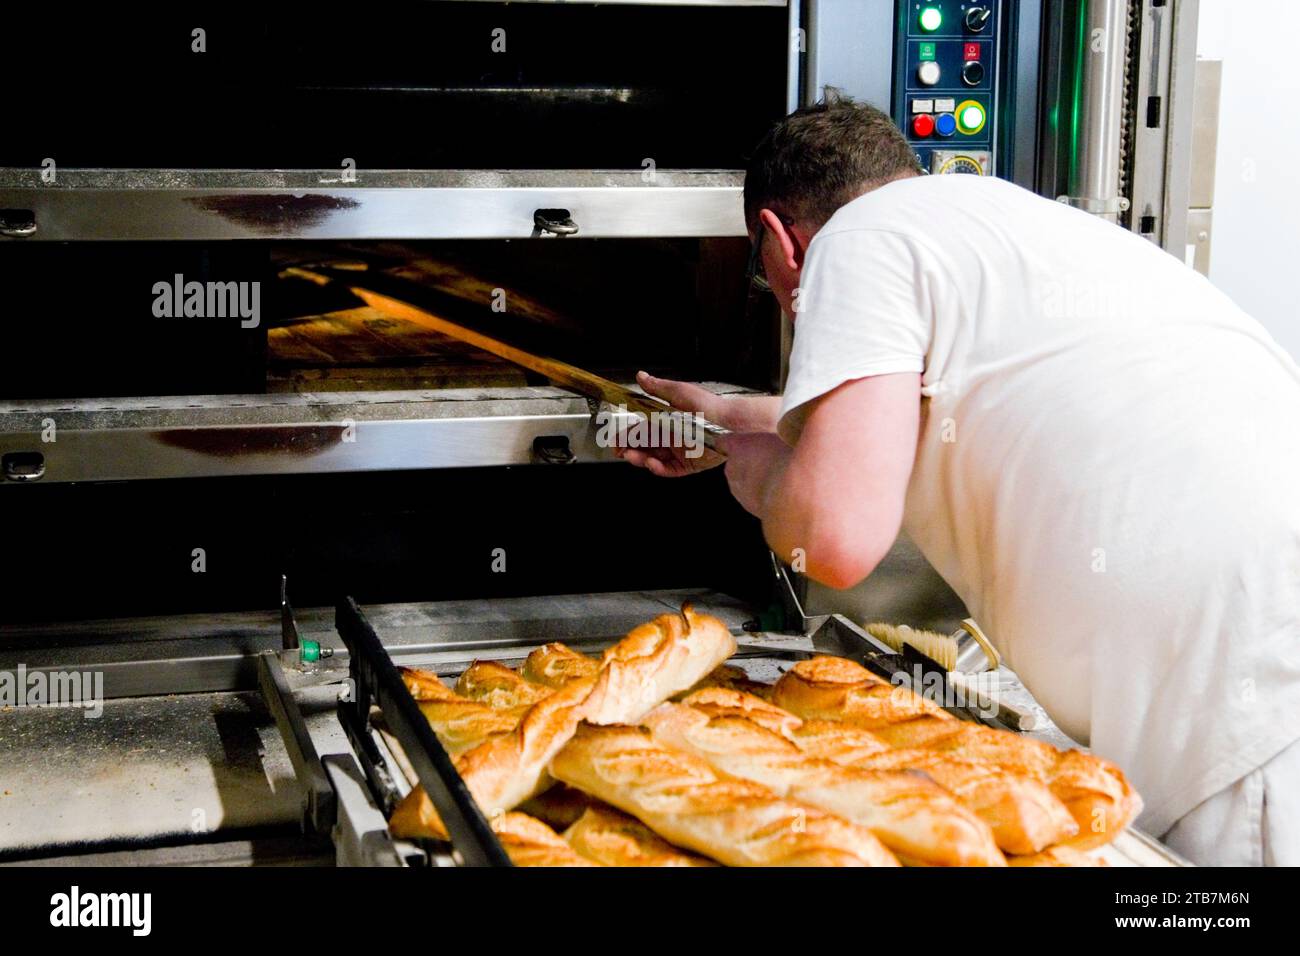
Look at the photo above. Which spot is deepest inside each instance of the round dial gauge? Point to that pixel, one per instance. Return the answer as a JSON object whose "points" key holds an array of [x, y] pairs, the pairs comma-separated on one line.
{"points": [[959, 165]]}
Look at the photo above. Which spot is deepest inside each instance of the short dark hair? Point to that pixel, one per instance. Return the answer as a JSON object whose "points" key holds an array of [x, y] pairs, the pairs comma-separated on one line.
{"points": [[822, 156]]}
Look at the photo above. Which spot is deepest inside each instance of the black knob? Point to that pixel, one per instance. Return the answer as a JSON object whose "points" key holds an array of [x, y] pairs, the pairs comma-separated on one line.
{"points": [[972, 73], [977, 18]]}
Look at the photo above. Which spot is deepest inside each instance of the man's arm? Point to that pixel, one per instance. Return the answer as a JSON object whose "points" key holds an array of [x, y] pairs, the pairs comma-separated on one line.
{"points": [[838, 495]]}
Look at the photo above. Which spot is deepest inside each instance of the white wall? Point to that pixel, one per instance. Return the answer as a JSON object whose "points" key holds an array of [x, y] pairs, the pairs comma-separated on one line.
{"points": [[1255, 254]]}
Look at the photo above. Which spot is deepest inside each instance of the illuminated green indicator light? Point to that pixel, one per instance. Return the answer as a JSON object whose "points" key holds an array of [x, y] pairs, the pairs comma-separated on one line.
{"points": [[927, 51], [931, 19], [971, 118]]}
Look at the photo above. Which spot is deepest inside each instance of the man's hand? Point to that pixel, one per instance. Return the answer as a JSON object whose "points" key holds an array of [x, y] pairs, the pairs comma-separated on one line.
{"points": [[755, 463], [740, 414]]}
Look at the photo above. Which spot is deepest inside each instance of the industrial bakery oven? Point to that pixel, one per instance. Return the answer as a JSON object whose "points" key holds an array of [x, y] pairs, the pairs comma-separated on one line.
{"points": [[188, 421]]}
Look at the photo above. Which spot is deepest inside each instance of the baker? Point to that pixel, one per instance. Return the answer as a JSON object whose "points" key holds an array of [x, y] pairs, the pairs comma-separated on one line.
{"points": [[1095, 447]]}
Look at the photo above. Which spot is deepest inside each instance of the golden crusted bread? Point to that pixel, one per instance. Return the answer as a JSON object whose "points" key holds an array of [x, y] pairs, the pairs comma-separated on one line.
{"points": [[837, 742], [913, 816], [612, 838], [494, 684], [424, 685], [682, 798], [459, 724], [554, 665], [1096, 793], [731, 702], [1023, 814], [530, 842], [1058, 856], [832, 688], [655, 661], [506, 770]]}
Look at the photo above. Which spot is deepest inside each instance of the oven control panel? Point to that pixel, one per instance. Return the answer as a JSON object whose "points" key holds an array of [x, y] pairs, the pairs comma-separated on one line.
{"points": [[946, 59]]}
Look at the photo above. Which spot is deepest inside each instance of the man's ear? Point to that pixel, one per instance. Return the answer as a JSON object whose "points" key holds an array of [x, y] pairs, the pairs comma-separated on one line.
{"points": [[793, 240]]}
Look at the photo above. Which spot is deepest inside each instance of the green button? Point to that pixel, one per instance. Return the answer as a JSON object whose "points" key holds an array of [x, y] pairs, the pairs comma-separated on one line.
{"points": [[931, 19], [971, 118], [927, 51]]}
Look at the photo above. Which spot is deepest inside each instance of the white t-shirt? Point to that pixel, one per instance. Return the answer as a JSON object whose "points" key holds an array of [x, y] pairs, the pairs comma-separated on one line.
{"points": [[1108, 470]]}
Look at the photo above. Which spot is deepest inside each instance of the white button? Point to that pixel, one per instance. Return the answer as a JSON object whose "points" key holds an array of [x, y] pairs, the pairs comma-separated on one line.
{"points": [[945, 106], [922, 106], [928, 73]]}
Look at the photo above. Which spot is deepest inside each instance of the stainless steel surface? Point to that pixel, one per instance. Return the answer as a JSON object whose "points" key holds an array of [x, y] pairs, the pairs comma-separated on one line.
{"points": [[210, 652], [1166, 74], [268, 851], [216, 435], [975, 652], [850, 47], [1205, 133], [1205, 147], [319, 805], [1095, 180], [361, 834], [380, 204], [1200, 239], [146, 770]]}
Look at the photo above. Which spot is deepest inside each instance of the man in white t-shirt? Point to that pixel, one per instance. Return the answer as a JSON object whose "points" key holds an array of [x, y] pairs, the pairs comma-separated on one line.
{"points": [[1094, 446]]}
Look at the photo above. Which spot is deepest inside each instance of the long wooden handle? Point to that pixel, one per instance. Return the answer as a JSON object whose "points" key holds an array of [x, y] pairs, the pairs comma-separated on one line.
{"points": [[561, 373]]}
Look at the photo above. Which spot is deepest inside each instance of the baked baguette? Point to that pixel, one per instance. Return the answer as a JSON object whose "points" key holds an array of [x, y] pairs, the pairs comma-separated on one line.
{"points": [[530, 842], [685, 800], [1057, 856], [913, 816], [505, 770], [496, 685], [1095, 792], [655, 661], [422, 684], [612, 838], [458, 723], [828, 739], [732, 702], [1023, 814], [554, 665], [832, 688]]}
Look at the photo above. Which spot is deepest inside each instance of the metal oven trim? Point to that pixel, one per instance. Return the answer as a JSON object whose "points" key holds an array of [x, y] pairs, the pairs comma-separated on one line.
{"points": [[146, 204]]}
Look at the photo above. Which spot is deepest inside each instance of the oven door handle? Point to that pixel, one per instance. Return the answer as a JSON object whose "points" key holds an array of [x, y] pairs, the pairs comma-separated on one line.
{"points": [[556, 222]]}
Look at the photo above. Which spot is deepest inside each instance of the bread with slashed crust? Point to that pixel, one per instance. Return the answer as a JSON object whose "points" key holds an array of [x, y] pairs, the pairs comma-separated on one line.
{"points": [[685, 800], [654, 661], [913, 816]]}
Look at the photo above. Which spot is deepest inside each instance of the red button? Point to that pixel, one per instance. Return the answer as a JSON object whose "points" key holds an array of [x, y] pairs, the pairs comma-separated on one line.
{"points": [[972, 52], [923, 125]]}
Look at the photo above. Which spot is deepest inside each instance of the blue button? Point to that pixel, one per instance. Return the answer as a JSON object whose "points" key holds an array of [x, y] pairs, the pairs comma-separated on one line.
{"points": [[945, 124]]}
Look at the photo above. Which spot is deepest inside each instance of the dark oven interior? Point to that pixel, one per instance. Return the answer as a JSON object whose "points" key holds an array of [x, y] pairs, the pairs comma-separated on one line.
{"points": [[394, 84], [85, 324]]}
